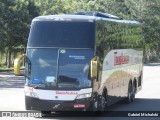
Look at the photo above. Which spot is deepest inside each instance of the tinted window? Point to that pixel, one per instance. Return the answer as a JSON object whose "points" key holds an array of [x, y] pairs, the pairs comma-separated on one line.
{"points": [[43, 65], [53, 68], [61, 34], [74, 68]]}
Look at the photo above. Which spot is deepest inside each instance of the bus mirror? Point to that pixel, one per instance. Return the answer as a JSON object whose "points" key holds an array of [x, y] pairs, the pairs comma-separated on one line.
{"points": [[17, 62], [94, 68]]}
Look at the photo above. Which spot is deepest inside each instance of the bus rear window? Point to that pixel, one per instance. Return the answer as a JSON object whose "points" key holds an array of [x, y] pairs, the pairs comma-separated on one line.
{"points": [[61, 34]]}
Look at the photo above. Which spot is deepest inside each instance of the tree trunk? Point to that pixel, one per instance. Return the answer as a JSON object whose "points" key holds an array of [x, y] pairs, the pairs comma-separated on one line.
{"points": [[6, 57], [1, 57], [9, 58]]}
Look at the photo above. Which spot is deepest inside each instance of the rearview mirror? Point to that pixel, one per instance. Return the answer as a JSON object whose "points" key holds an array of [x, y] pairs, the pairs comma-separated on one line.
{"points": [[17, 66], [94, 68]]}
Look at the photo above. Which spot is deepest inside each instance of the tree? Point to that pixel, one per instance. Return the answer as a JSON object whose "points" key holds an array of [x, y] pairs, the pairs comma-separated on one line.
{"points": [[16, 17], [15, 20]]}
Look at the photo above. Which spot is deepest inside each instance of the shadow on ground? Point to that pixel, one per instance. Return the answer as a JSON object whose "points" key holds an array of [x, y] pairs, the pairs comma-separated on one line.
{"points": [[140, 105], [8, 80]]}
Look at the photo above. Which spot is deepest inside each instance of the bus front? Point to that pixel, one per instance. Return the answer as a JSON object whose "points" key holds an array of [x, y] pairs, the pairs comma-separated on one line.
{"points": [[57, 65]]}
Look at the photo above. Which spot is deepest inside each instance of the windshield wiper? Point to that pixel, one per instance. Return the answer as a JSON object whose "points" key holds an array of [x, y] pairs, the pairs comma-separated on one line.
{"points": [[38, 85], [42, 85], [67, 84]]}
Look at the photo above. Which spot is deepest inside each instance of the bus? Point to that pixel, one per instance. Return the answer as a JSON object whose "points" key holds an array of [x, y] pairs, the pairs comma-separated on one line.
{"points": [[84, 61]]}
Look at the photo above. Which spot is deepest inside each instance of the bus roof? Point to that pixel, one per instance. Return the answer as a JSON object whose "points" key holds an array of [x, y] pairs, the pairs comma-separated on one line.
{"points": [[82, 17], [64, 18]]}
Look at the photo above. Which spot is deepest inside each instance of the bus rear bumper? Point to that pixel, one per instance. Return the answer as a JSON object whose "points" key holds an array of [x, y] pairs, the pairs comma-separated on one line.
{"points": [[52, 105]]}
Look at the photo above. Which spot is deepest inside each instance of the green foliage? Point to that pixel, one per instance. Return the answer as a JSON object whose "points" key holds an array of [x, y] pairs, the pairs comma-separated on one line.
{"points": [[16, 16]]}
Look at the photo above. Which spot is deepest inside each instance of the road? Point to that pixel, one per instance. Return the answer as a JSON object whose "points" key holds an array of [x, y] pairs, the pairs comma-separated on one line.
{"points": [[12, 96]]}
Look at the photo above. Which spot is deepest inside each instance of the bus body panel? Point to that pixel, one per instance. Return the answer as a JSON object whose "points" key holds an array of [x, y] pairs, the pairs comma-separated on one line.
{"points": [[119, 46], [117, 72], [32, 103], [65, 95]]}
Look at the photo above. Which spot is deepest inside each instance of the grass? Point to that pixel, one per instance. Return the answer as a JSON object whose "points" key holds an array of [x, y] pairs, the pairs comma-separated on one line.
{"points": [[4, 68]]}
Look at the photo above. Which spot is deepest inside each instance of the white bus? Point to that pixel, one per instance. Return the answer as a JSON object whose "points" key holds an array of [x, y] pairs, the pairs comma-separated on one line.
{"points": [[82, 61]]}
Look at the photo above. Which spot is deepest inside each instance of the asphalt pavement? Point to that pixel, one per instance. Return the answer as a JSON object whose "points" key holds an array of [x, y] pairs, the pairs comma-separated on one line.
{"points": [[12, 97]]}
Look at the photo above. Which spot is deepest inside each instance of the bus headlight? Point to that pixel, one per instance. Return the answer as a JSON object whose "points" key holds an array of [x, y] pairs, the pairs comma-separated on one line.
{"points": [[31, 94], [85, 95]]}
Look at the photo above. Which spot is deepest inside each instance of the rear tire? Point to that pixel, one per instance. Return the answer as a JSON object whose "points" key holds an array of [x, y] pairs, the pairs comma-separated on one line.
{"points": [[133, 93], [130, 95]]}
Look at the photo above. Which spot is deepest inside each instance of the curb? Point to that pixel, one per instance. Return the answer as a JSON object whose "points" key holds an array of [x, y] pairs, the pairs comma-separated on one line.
{"points": [[6, 70]]}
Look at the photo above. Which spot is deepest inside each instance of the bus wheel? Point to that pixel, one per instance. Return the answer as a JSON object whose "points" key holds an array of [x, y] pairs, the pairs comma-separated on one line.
{"points": [[129, 97], [133, 93], [99, 104], [103, 104]]}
